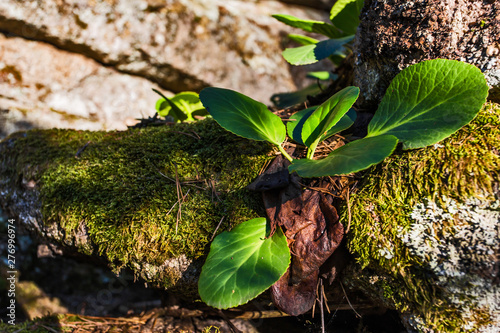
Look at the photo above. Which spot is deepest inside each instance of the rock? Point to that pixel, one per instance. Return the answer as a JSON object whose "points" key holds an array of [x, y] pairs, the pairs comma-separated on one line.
{"points": [[119, 200], [394, 34], [493, 79], [320, 4], [180, 45], [46, 87]]}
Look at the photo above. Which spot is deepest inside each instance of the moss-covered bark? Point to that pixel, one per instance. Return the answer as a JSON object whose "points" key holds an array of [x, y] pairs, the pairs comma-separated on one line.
{"points": [[119, 197]]}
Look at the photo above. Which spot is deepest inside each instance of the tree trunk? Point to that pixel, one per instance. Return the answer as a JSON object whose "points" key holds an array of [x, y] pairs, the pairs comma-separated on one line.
{"points": [[394, 34]]}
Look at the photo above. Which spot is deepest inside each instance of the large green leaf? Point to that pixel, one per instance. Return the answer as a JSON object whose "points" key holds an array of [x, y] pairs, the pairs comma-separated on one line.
{"points": [[345, 15], [319, 27], [309, 54], [242, 115], [283, 100], [354, 156], [429, 101], [327, 115], [294, 126], [242, 264]]}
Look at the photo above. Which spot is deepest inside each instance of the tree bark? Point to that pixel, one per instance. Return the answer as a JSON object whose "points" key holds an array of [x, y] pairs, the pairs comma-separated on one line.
{"points": [[394, 34]]}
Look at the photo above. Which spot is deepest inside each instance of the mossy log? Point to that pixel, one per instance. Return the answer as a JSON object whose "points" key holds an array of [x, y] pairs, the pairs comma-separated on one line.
{"points": [[424, 224]]}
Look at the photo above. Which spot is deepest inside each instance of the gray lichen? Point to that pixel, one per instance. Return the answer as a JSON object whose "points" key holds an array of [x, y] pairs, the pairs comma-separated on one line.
{"points": [[459, 244]]}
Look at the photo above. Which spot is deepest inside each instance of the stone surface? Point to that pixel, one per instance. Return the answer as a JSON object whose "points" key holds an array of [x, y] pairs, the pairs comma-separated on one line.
{"points": [[181, 45], [42, 86], [394, 34]]}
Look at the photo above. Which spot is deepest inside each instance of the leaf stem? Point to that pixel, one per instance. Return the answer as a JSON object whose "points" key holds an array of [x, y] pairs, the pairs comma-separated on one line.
{"points": [[312, 150], [288, 157]]}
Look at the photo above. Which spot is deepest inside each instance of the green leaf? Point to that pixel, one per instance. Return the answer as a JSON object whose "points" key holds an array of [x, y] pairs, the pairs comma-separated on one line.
{"points": [[327, 115], [283, 100], [187, 102], [345, 15], [344, 123], [354, 156], [242, 115], [319, 27], [294, 127], [429, 101], [304, 40], [323, 75], [242, 264], [309, 54], [174, 110]]}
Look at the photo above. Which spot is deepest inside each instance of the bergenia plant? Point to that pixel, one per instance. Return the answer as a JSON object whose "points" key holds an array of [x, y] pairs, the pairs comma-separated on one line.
{"points": [[424, 104], [344, 17], [184, 106]]}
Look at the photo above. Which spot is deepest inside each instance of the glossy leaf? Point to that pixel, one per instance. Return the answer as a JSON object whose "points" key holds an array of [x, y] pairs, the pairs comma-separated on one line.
{"points": [[319, 27], [283, 100], [429, 101], [242, 264], [354, 156], [309, 54], [242, 115], [327, 115], [345, 15], [294, 127]]}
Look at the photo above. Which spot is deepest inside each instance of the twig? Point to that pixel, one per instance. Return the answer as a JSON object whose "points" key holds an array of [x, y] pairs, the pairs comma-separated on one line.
{"points": [[321, 306], [347, 298], [78, 153], [348, 212], [218, 225], [179, 197]]}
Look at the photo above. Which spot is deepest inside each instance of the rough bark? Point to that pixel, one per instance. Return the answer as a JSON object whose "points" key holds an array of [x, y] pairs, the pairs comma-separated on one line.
{"points": [[394, 34]]}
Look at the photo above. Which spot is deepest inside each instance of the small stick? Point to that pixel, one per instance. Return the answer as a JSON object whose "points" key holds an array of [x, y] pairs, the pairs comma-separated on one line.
{"points": [[347, 298], [218, 225], [78, 153], [321, 306]]}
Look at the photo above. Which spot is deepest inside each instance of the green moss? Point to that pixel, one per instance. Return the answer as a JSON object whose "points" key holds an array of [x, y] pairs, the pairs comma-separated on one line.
{"points": [[466, 165], [122, 188]]}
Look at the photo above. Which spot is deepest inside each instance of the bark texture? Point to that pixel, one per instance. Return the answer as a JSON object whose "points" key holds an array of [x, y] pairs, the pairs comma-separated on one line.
{"points": [[394, 34]]}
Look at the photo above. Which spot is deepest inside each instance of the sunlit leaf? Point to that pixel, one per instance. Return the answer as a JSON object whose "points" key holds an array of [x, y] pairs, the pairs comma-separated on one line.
{"points": [[323, 75], [294, 127], [327, 115], [345, 15], [187, 102], [242, 264], [319, 27], [354, 156], [242, 115], [304, 40], [309, 54], [429, 101]]}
